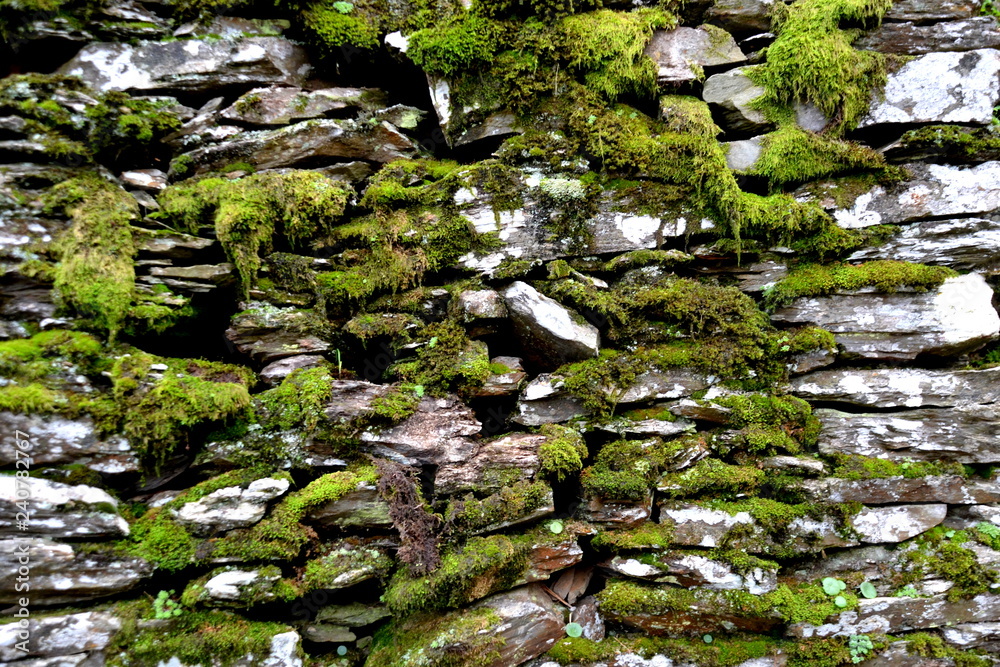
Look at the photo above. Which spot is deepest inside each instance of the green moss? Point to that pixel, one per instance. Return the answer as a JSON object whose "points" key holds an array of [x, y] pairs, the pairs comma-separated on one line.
{"points": [[447, 362], [159, 413], [461, 639], [940, 553], [562, 454], [96, 276], [930, 645], [161, 541], [45, 354], [803, 604], [281, 535], [226, 637], [639, 258], [250, 213], [455, 46], [711, 476], [470, 515], [647, 536], [334, 29], [883, 275], [812, 59], [771, 423], [863, 467], [727, 651], [952, 140], [808, 339], [793, 155], [324, 572], [123, 128], [623, 470], [30, 399], [298, 402], [607, 48], [482, 566]]}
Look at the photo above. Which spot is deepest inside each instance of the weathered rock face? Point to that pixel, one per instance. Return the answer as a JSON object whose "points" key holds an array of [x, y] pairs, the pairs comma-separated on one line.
{"points": [[732, 93], [438, 433], [735, 455], [965, 434], [231, 507], [900, 387], [311, 142], [62, 574], [676, 52], [957, 317], [70, 441], [59, 510], [940, 88], [934, 191], [190, 66], [964, 244], [552, 333], [980, 32]]}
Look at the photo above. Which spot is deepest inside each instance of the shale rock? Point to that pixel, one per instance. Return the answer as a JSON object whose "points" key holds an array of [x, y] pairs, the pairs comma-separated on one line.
{"points": [[934, 191], [283, 105], [966, 433], [550, 333], [494, 465], [55, 636], [957, 317], [964, 244], [677, 52], [438, 433], [361, 508], [307, 144], [940, 88], [191, 66], [69, 441], [951, 489], [62, 574], [900, 387], [732, 93], [910, 39], [59, 510], [231, 507]]}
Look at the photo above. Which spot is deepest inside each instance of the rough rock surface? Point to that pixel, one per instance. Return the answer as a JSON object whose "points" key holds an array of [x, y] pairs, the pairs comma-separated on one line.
{"points": [[955, 318], [232, 506], [955, 87], [964, 244], [59, 510], [189, 66], [675, 52], [552, 333], [900, 387], [910, 39]]}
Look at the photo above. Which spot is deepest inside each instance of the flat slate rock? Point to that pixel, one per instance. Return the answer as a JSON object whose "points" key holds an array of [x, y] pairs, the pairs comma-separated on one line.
{"points": [[963, 244], [955, 318], [900, 387], [980, 32], [966, 433]]}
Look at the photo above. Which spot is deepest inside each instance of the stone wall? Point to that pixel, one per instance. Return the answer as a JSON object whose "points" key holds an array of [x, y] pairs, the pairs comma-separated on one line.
{"points": [[490, 333]]}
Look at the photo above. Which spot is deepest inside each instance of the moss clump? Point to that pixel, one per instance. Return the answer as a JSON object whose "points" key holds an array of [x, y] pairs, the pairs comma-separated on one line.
{"points": [[930, 645], [954, 141], [808, 339], [192, 636], [863, 467], [334, 29], [124, 129], [812, 59], [607, 48], [623, 470], [647, 536], [711, 476], [458, 45], [940, 552], [159, 412], [482, 566], [46, 353], [470, 515], [793, 155], [803, 604], [249, 214], [447, 362], [298, 402], [883, 275], [32, 398], [461, 639], [562, 454], [281, 535], [340, 567], [95, 276], [771, 423]]}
